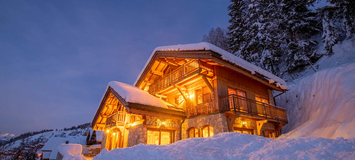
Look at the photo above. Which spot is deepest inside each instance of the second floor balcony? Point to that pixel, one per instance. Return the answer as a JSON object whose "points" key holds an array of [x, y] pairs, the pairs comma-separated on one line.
{"points": [[178, 75], [249, 107], [242, 106]]}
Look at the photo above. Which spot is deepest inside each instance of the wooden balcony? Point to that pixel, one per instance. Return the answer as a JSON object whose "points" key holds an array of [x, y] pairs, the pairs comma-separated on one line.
{"points": [[184, 71], [250, 107], [116, 119]]}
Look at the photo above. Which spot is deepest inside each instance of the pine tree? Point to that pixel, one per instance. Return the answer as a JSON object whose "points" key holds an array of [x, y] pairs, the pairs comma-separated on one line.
{"points": [[298, 24], [217, 37], [238, 11], [338, 22]]}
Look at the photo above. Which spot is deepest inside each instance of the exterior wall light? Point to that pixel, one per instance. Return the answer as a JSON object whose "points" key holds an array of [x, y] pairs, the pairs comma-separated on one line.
{"points": [[108, 131]]}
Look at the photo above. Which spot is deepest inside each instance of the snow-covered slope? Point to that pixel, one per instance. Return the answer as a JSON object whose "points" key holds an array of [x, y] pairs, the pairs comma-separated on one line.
{"points": [[322, 104], [238, 146], [6, 136]]}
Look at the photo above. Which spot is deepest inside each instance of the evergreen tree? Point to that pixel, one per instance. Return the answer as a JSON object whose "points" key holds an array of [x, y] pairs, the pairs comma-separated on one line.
{"points": [[298, 25], [338, 22], [217, 37], [238, 11]]}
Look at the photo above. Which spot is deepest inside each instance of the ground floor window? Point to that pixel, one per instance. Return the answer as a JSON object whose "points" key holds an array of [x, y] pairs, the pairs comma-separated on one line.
{"points": [[193, 132], [207, 131], [159, 137], [242, 130]]}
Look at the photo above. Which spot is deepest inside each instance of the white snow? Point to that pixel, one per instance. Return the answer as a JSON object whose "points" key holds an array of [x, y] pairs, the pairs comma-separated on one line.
{"points": [[71, 151], [53, 143], [322, 104], [135, 95], [225, 55], [238, 146]]}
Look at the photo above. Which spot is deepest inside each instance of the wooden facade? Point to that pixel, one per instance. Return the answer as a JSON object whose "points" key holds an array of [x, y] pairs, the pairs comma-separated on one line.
{"points": [[206, 95]]}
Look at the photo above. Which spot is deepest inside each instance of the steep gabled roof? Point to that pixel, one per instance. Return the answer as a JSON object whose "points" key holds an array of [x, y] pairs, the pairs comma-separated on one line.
{"points": [[223, 55], [132, 97]]}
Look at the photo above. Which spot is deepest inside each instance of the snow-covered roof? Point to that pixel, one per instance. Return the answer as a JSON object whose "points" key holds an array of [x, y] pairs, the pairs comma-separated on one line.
{"points": [[133, 94], [225, 56], [53, 143]]}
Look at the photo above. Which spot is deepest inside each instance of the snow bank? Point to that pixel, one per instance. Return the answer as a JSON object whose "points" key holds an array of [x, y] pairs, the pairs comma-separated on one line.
{"points": [[225, 55], [238, 146], [71, 151], [135, 95], [322, 104]]}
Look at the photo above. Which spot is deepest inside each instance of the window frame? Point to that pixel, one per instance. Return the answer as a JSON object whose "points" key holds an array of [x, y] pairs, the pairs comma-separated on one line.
{"points": [[172, 135], [195, 134], [208, 131]]}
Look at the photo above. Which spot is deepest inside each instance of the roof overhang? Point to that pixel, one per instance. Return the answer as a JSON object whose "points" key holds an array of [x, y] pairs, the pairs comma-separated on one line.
{"points": [[204, 54]]}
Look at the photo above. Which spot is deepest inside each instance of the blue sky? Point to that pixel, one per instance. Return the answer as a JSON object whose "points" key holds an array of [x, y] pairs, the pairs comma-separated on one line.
{"points": [[56, 57]]}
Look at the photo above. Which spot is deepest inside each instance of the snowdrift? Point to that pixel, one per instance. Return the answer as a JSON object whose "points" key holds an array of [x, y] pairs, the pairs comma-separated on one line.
{"points": [[322, 104], [238, 146]]}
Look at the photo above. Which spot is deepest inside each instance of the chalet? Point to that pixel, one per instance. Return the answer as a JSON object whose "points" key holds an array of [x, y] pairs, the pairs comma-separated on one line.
{"points": [[186, 91]]}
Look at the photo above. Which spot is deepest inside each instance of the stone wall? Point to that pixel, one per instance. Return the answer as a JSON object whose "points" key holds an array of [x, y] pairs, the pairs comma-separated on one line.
{"points": [[217, 120], [137, 134]]}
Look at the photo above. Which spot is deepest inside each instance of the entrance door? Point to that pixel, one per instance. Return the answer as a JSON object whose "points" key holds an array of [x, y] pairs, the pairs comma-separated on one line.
{"points": [[114, 139]]}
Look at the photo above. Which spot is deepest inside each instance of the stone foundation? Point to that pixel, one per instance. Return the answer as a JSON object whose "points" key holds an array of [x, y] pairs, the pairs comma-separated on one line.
{"points": [[217, 120]]}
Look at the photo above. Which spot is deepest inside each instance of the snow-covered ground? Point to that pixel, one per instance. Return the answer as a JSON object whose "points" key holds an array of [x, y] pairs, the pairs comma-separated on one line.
{"points": [[238, 146], [322, 104]]}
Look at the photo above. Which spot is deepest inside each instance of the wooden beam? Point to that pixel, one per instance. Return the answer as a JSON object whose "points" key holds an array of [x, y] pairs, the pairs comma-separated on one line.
{"points": [[207, 83], [183, 95], [157, 72], [161, 96]]}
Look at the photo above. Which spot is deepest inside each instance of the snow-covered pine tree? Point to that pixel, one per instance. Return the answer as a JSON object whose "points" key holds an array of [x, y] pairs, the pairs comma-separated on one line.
{"points": [[265, 41], [217, 37], [338, 22], [238, 12], [298, 24]]}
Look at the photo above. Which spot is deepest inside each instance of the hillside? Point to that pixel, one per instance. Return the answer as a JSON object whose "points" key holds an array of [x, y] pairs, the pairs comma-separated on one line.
{"points": [[36, 140], [321, 104]]}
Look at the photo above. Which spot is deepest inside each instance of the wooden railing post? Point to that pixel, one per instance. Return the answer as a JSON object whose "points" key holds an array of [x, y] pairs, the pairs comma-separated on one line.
{"points": [[233, 101]]}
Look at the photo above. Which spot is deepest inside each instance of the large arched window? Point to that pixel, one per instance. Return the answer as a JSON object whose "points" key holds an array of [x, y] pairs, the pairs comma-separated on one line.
{"points": [[207, 131], [193, 132]]}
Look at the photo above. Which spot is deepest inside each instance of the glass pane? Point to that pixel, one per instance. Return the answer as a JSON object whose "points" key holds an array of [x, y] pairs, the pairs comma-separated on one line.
{"points": [[153, 137], [205, 132], [165, 138], [241, 93], [230, 91], [191, 133], [265, 100], [196, 133], [258, 99], [199, 96], [211, 131]]}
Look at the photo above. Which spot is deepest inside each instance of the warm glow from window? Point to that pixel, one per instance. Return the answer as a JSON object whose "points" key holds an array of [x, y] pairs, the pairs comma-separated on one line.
{"points": [[159, 137], [193, 132], [207, 131], [107, 131]]}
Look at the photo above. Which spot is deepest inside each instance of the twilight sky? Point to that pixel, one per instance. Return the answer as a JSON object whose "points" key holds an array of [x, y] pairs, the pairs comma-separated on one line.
{"points": [[57, 57]]}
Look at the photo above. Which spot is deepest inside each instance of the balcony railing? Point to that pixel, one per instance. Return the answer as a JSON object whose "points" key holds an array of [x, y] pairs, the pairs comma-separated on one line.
{"points": [[201, 110], [115, 119], [175, 76], [252, 107]]}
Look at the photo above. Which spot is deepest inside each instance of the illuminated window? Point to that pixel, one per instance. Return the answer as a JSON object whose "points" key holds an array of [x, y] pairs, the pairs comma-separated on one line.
{"points": [[193, 132], [203, 95], [260, 99], [159, 137], [239, 99], [207, 131], [199, 96]]}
